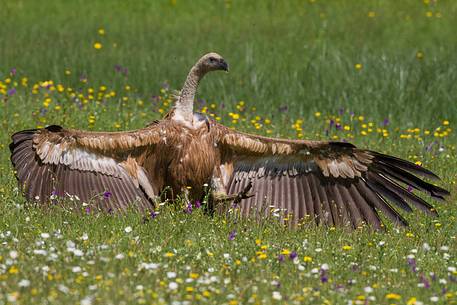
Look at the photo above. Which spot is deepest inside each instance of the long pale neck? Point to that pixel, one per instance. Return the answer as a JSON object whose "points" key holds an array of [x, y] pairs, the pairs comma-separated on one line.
{"points": [[185, 104]]}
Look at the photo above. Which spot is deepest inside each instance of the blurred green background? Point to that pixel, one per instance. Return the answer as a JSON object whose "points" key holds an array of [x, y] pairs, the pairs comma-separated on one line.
{"points": [[300, 53]]}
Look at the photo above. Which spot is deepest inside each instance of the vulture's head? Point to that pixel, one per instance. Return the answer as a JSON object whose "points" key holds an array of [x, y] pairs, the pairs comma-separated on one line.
{"points": [[212, 62]]}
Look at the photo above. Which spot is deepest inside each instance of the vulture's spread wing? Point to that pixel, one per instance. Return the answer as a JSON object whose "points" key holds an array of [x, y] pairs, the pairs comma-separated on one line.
{"points": [[333, 183], [100, 168]]}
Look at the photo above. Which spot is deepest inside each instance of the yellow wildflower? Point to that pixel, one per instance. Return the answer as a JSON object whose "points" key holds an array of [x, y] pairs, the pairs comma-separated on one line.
{"points": [[262, 256], [13, 270], [393, 296], [285, 252], [194, 275], [307, 259], [411, 301], [98, 45]]}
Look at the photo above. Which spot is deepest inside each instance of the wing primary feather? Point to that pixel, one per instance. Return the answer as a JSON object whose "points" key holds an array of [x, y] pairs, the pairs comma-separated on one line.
{"points": [[370, 214], [309, 200], [405, 194], [409, 179], [379, 203], [406, 165], [379, 188], [345, 215], [316, 200], [301, 203], [295, 201], [325, 202], [356, 214]]}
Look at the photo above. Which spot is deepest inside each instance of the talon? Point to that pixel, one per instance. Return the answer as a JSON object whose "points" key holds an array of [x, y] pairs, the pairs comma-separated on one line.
{"points": [[244, 194]]}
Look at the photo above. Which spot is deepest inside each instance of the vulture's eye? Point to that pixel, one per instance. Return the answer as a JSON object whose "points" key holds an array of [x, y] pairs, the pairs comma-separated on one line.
{"points": [[212, 59]]}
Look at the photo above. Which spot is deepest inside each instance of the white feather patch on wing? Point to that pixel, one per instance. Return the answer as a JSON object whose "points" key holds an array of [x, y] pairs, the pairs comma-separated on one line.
{"points": [[78, 159], [145, 184]]}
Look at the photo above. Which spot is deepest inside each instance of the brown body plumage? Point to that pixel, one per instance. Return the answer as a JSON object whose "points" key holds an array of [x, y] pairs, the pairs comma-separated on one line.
{"points": [[333, 183]]}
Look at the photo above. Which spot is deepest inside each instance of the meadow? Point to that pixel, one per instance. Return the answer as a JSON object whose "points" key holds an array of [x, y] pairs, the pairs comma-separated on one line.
{"points": [[380, 74]]}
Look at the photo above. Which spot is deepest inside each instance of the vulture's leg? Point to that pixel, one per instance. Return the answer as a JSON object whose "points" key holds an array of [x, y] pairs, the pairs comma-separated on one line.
{"points": [[220, 196], [185, 193]]}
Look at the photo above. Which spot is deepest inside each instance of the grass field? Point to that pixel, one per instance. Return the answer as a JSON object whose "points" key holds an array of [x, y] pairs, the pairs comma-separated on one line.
{"points": [[380, 74]]}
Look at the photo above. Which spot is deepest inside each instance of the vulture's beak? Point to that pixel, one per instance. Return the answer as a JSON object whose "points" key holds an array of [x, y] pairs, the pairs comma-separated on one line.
{"points": [[224, 65]]}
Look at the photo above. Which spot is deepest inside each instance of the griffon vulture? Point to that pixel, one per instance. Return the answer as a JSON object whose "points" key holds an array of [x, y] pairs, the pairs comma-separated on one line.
{"points": [[333, 183]]}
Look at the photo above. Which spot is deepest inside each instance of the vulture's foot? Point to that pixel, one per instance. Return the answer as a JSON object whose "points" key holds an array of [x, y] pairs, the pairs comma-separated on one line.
{"points": [[222, 199], [244, 194]]}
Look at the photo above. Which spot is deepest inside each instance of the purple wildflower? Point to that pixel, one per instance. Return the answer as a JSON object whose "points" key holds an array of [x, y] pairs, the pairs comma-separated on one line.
{"points": [[425, 281], [332, 122], [87, 210], [293, 255], [153, 214], [338, 126], [324, 276], [232, 235], [13, 72], [12, 91], [412, 264], [280, 258], [410, 188], [107, 195], [110, 211], [198, 204], [188, 209], [117, 68], [385, 122], [341, 111]]}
